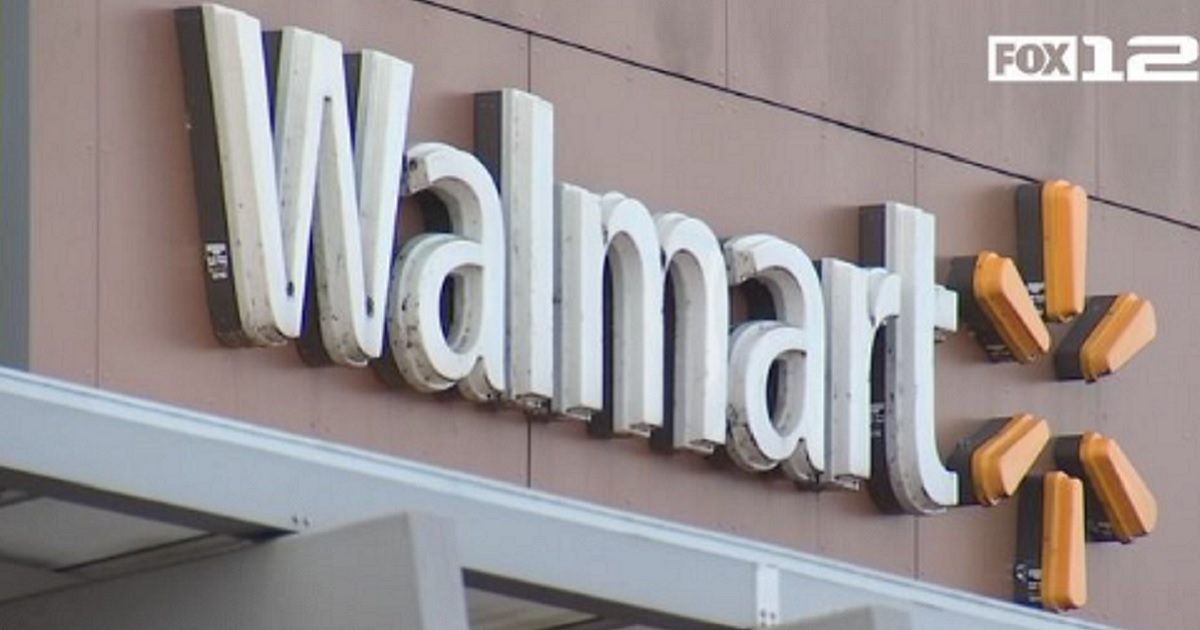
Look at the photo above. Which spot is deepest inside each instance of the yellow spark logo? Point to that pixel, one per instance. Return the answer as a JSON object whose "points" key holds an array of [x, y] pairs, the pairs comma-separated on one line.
{"points": [[1093, 492]]}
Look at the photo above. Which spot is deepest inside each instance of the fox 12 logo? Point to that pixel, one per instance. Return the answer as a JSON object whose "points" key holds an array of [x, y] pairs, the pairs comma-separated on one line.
{"points": [[1092, 58]]}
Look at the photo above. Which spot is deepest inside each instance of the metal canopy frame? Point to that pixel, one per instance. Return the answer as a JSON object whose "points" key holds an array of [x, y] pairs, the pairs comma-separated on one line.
{"points": [[163, 462], [396, 572]]}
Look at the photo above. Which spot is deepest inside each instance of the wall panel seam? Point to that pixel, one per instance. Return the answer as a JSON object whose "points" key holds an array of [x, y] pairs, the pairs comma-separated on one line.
{"points": [[813, 115]]}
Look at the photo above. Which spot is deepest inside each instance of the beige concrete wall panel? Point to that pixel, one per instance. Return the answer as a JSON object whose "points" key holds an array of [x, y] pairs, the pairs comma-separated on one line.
{"points": [[453, 56], [1148, 139], [1042, 130], [677, 146], [155, 337], [969, 548], [852, 529], [780, 50], [1147, 148], [685, 37], [854, 61], [443, 429], [625, 474], [739, 165], [858, 170], [63, 190]]}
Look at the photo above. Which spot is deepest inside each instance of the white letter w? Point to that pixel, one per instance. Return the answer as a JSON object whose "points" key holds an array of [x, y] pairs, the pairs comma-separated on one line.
{"points": [[276, 173]]}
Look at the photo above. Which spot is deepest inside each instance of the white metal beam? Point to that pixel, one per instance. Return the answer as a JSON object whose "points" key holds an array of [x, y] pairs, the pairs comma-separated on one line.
{"points": [[80, 436], [866, 618]]}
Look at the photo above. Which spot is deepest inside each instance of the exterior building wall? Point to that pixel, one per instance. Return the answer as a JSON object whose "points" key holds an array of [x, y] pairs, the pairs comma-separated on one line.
{"points": [[776, 117]]}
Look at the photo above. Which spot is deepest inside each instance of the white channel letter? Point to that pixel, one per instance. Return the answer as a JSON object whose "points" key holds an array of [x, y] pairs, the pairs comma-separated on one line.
{"points": [[920, 481], [273, 188], [857, 302], [696, 263], [579, 318], [472, 355], [795, 436], [527, 196], [619, 228]]}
